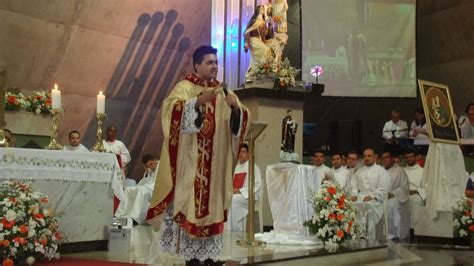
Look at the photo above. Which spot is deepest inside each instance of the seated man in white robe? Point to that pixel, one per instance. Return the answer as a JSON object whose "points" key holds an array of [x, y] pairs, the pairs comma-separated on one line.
{"points": [[370, 186], [353, 163], [75, 142], [397, 203], [321, 169], [239, 209], [111, 144], [137, 198], [341, 173], [417, 192]]}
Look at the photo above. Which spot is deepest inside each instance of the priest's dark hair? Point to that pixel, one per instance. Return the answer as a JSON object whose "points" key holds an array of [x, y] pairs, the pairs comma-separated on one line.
{"points": [[353, 152], [468, 106], [147, 157], [200, 52], [393, 155], [410, 151], [245, 146], [74, 131], [336, 153], [320, 151]]}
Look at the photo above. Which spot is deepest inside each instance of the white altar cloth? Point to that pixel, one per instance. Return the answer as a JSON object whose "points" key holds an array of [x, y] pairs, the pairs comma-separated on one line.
{"points": [[80, 186], [290, 188]]}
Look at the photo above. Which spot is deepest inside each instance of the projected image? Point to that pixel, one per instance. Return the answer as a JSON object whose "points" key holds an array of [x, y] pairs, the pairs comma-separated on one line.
{"points": [[366, 47]]}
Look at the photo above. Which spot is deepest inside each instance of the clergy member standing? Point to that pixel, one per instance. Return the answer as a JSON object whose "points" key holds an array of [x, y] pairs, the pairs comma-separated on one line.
{"points": [[137, 198], [370, 185], [341, 173], [239, 209], [112, 144], [397, 204], [203, 125], [75, 142], [321, 169], [417, 192]]}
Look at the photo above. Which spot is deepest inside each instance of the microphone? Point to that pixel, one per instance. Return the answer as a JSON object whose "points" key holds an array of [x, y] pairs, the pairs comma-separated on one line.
{"points": [[224, 88]]}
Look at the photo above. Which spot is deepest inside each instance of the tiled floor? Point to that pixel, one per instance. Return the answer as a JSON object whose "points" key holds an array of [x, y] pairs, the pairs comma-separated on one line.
{"points": [[143, 248]]}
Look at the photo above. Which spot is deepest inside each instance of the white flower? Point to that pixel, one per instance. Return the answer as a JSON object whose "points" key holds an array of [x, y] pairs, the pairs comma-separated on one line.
{"points": [[10, 215], [30, 260], [57, 255], [462, 233]]}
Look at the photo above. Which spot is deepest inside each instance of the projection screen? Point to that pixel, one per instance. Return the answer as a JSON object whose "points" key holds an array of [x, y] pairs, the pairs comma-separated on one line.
{"points": [[366, 47]]}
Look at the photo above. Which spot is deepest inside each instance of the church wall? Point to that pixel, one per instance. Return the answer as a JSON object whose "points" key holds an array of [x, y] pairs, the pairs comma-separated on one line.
{"points": [[133, 51]]}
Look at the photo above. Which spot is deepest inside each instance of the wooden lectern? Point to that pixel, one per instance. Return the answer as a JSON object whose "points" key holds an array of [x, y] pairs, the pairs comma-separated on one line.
{"points": [[255, 130]]}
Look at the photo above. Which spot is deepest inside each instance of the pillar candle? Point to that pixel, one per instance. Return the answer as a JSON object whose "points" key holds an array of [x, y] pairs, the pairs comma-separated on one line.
{"points": [[56, 97], [100, 103]]}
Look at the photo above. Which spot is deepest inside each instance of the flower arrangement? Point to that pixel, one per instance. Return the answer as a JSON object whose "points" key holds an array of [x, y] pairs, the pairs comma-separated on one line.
{"points": [[464, 220], [334, 217], [280, 68], [28, 230], [40, 102], [15, 101]]}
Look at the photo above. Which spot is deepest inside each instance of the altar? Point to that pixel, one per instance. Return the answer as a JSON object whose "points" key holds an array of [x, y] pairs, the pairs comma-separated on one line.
{"points": [[80, 187]]}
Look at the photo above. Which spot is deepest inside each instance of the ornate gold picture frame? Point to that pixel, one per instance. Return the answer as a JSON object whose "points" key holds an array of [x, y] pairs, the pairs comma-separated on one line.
{"points": [[439, 114]]}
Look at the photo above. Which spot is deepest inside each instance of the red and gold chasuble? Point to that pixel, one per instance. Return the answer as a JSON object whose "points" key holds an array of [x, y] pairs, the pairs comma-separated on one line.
{"points": [[195, 172]]}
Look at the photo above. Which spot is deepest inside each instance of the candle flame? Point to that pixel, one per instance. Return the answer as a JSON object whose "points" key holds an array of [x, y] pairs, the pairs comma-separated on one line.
{"points": [[56, 86], [100, 92]]}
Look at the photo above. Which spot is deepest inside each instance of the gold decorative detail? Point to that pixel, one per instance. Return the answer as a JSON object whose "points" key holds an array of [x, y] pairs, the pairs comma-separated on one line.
{"points": [[54, 143], [99, 139]]}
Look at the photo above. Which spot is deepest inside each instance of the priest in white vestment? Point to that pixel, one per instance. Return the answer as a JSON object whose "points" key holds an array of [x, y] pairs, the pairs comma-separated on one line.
{"points": [[397, 203], [416, 190], [75, 142], [321, 169], [239, 209], [370, 185], [341, 173], [111, 144], [137, 198], [353, 163]]}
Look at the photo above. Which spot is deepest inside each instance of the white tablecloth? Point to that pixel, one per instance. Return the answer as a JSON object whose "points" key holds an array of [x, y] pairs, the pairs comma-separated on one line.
{"points": [[31, 164], [290, 187]]}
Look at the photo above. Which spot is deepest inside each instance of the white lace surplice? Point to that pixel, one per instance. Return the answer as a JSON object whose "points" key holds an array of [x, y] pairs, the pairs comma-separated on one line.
{"points": [[189, 247]]}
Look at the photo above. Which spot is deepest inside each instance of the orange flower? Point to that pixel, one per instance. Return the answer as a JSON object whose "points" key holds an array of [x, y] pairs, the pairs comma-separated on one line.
{"points": [[7, 262], [58, 236], [471, 228], [23, 229], [350, 223], [340, 233], [332, 190], [6, 243], [7, 224], [328, 198], [348, 230], [340, 216], [332, 216], [44, 241]]}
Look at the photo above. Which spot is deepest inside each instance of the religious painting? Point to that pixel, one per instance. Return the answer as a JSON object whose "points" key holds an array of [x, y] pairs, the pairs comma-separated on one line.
{"points": [[438, 112]]}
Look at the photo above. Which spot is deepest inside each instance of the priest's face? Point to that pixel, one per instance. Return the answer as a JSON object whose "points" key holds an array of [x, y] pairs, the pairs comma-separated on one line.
{"points": [[336, 161], [74, 139], [111, 133], [395, 117], [387, 160], [369, 157], [318, 159], [410, 158], [352, 160], [243, 155], [151, 164], [207, 70]]}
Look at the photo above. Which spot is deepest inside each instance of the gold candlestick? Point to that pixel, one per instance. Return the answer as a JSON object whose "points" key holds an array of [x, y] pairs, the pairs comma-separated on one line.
{"points": [[54, 143], [99, 143]]}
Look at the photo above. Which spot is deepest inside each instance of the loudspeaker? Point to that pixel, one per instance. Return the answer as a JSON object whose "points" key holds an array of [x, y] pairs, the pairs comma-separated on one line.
{"points": [[345, 135]]}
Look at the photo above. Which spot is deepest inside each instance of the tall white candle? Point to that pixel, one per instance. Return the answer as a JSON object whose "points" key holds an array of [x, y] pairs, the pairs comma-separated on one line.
{"points": [[56, 97], [100, 103]]}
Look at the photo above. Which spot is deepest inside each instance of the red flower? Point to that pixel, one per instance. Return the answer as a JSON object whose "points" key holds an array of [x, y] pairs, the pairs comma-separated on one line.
{"points": [[11, 99], [332, 190], [7, 262], [44, 200], [350, 223], [328, 198], [44, 241], [13, 200], [20, 240], [471, 228], [7, 224], [23, 229], [6, 243], [340, 216], [340, 233], [467, 213], [58, 236], [39, 216], [332, 216]]}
